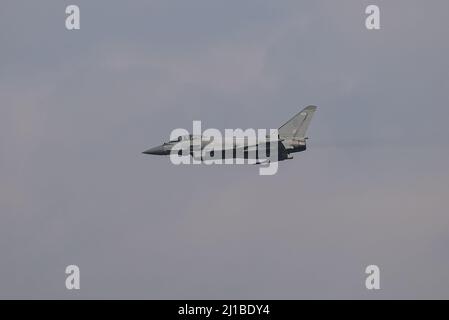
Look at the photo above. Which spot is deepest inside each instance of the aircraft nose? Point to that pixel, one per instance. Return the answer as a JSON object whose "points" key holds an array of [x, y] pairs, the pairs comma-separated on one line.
{"points": [[159, 150]]}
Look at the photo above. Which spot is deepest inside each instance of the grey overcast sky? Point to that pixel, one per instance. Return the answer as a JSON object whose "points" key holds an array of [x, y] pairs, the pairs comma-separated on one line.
{"points": [[77, 108]]}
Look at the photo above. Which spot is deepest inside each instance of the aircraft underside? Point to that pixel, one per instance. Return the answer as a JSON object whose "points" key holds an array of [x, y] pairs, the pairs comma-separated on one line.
{"points": [[259, 153]]}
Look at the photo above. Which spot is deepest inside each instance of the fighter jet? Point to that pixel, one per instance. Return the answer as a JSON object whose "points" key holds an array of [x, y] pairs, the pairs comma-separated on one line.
{"points": [[291, 138]]}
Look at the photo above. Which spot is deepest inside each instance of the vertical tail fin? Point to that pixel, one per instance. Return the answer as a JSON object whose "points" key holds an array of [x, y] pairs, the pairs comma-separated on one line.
{"points": [[297, 126]]}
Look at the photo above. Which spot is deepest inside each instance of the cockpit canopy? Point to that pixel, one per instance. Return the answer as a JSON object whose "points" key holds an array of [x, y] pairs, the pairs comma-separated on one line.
{"points": [[185, 138], [176, 140]]}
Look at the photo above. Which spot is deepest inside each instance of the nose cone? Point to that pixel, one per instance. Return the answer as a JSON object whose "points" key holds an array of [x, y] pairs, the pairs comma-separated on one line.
{"points": [[159, 150]]}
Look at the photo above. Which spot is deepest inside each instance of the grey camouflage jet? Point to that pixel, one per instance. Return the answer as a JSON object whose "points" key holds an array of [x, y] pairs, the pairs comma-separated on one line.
{"points": [[291, 138]]}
